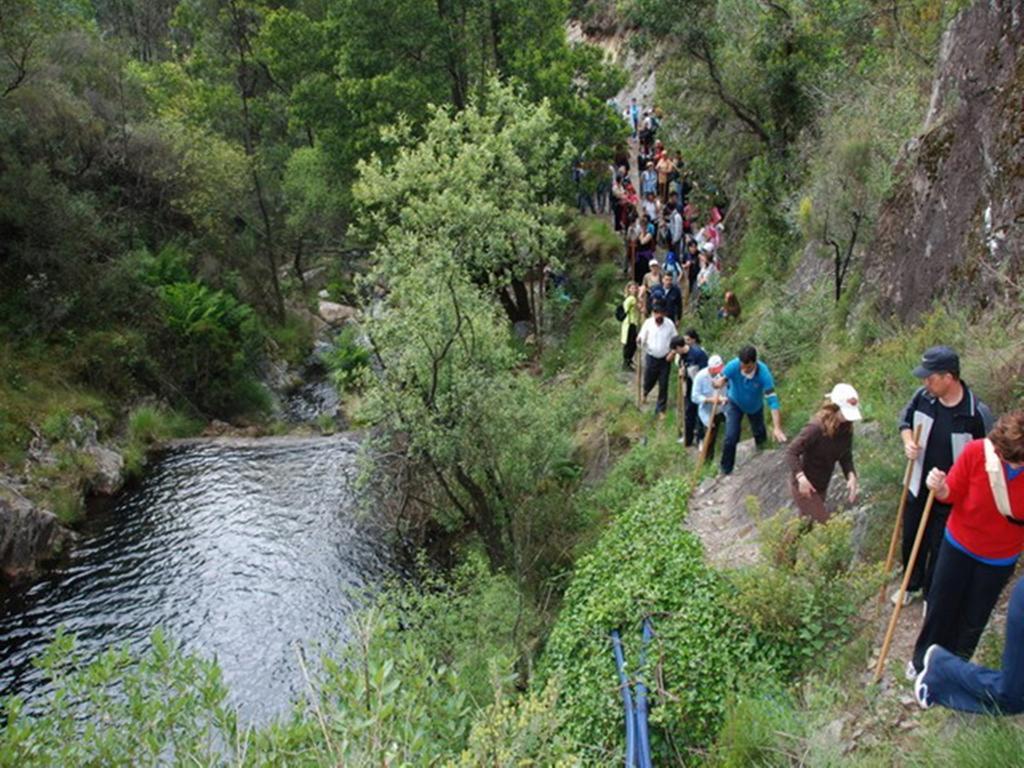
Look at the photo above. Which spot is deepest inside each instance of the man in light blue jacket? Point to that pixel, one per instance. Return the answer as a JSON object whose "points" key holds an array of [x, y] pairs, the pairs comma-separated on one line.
{"points": [[705, 397]]}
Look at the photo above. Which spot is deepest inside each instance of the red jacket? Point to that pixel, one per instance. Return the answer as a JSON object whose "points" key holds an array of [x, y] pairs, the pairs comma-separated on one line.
{"points": [[975, 522]]}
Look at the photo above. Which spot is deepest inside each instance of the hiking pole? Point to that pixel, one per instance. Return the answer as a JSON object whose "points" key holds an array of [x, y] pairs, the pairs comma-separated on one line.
{"points": [[899, 517], [903, 585], [639, 375], [706, 445]]}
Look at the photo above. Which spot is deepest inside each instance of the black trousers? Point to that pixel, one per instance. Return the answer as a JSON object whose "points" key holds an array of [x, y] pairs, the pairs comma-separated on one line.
{"points": [[692, 421], [656, 370], [629, 348], [963, 593], [924, 568]]}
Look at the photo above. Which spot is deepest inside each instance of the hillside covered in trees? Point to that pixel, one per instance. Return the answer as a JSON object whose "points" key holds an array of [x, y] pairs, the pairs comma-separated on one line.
{"points": [[184, 182]]}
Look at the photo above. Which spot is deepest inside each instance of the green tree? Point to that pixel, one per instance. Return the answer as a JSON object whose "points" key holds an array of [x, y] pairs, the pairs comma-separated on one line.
{"points": [[479, 433], [484, 185]]}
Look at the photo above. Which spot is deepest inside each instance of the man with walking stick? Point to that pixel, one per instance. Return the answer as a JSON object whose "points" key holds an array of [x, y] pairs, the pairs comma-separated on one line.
{"points": [[949, 416], [710, 405]]}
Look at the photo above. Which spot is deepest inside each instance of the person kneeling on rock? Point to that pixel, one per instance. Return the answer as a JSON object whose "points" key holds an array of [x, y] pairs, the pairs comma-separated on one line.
{"points": [[826, 439]]}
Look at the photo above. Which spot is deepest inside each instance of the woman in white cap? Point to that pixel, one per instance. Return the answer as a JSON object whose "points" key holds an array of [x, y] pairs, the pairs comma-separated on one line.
{"points": [[826, 439]]}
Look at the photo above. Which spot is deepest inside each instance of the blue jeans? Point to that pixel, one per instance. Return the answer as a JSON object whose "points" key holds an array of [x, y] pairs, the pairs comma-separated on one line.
{"points": [[958, 684], [733, 425]]}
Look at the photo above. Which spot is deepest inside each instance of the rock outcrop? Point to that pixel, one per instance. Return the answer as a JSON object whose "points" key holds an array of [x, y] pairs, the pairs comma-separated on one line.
{"points": [[954, 224], [27, 535], [30, 535], [725, 511]]}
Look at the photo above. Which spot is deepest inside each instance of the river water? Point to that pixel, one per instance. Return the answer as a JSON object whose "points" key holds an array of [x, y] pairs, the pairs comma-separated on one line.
{"points": [[237, 548]]}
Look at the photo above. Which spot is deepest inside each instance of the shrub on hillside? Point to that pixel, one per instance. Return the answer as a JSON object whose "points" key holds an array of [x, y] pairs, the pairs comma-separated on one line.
{"points": [[804, 595], [647, 565], [214, 344], [791, 331]]}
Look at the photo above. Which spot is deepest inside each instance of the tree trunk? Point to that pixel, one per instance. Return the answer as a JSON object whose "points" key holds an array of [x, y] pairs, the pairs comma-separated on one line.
{"points": [[516, 304], [484, 518]]}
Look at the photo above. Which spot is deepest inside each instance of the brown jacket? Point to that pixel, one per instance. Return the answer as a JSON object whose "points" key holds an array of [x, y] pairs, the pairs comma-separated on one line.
{"points": [[815, 454]]}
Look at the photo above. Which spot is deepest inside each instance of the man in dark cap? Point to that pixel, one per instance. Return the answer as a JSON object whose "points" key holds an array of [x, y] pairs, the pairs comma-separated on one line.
{"points": [[950, 416]]}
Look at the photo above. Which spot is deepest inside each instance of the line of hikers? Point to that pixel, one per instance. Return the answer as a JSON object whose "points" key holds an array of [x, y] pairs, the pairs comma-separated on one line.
{"points": [[973, 537], [972, 464]]}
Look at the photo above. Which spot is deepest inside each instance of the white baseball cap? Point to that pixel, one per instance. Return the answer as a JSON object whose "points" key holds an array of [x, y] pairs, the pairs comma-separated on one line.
{"points": [[845, 396], [715, 364]]}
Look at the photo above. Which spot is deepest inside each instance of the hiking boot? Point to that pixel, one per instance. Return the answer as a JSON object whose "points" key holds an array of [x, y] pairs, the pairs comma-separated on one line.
{"points": [[920, 686]]}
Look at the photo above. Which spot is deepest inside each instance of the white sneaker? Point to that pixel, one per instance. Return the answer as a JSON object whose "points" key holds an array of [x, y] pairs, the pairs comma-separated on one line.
{"points": [[911, 671], [908, 597], [681, 441], [920, 686]]}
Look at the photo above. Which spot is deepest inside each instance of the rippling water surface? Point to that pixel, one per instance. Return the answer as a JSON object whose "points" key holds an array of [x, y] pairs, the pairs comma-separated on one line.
{"points": [[238, 549]]}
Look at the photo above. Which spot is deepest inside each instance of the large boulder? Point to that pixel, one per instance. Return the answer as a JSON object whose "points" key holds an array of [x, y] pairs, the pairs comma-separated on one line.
{"points": [[107, 474], [954, 224], [333, 313], [27, 535]]}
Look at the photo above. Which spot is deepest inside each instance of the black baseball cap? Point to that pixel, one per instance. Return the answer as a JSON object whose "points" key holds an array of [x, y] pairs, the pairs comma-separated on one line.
{"points": [[938, 360]]}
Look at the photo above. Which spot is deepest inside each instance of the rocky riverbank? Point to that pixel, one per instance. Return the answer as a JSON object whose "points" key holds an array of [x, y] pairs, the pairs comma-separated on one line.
{"points": [[73, 457]]}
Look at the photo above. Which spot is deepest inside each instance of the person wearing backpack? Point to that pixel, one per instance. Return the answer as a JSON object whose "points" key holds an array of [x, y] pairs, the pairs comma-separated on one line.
{"points": [[628, 315]]}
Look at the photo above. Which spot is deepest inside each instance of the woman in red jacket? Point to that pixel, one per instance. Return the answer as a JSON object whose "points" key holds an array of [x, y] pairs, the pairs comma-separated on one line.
{"points": [[983, 539]]}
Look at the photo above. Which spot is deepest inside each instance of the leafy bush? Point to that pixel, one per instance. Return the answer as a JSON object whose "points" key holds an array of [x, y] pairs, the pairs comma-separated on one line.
{"points": [[292, 339], [113, 361], [791, 330], [215, 344], [520, 732], [805, 594], [347, 360], [646, 564], [120, 710]]}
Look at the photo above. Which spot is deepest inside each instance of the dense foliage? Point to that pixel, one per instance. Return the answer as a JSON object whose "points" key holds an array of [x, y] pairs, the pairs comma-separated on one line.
{"points": [[645, 564], [230, 131]]}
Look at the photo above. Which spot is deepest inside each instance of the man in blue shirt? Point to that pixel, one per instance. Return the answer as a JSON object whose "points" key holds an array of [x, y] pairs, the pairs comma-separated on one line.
{"points": [[750, 384]]}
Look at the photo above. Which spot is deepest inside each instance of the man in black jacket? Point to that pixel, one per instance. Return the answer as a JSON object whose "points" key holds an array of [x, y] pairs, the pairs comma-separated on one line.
{"points": [[950, 416]]}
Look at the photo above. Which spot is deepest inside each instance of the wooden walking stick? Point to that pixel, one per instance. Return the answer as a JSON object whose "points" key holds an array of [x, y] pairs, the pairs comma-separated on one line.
{"points": [[899, 517], [706, 444], [922, 526], [639, 375]]}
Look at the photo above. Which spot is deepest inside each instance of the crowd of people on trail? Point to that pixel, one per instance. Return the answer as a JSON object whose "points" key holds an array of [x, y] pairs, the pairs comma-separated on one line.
{"points": [[965, 473]]}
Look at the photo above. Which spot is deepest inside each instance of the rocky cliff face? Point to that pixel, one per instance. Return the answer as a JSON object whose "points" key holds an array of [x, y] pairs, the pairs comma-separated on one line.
{"points": [[954, 225]]}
